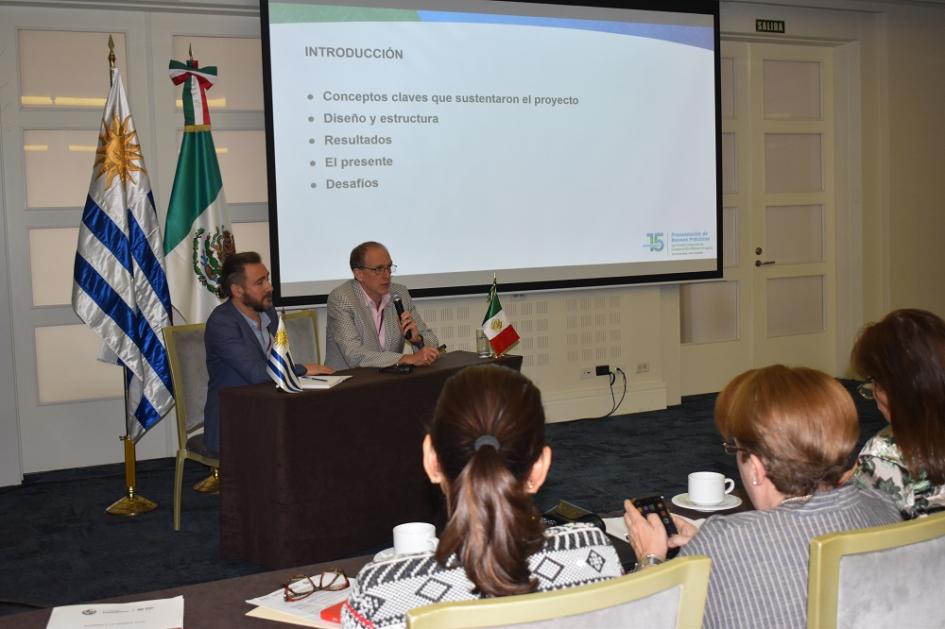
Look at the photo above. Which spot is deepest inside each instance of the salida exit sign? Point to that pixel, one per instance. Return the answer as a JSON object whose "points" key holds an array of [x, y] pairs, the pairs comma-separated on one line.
{"points": [[769, 26]]}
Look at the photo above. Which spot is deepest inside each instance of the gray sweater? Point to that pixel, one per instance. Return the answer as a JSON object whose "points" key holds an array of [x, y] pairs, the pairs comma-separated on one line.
{"points": [[759, 558]]}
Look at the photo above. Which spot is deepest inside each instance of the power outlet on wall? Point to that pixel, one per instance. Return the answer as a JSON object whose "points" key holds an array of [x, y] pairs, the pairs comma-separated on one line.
{"points": [[643, 368]]}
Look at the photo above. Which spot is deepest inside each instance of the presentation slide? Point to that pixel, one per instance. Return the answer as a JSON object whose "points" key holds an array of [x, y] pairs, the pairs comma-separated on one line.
{"points": [[556, 146]]}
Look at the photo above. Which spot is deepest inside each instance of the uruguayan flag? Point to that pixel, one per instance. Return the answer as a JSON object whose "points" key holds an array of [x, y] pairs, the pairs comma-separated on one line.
{"points": [[119, 286], [280, 364]]}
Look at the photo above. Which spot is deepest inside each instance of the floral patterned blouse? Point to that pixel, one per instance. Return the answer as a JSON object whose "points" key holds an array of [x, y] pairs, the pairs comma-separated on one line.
{"points": [[881, 466]]}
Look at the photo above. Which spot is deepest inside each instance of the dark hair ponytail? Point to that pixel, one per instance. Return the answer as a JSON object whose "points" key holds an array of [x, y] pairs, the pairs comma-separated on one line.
{"points": [[494, 527]]}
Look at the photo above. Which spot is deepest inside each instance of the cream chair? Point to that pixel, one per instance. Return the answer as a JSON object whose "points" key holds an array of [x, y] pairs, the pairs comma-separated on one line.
{"points": [[188, 361], [302, 329], [884, 576], [671, 595]]}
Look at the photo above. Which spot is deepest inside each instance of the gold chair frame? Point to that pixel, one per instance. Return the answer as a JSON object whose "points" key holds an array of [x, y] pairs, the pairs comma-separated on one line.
{"points": [[826, 551], [296, 315], [183, 433], [692, 573]]}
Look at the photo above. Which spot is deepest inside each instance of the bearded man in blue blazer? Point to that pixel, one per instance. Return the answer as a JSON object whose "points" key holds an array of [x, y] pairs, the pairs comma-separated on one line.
{"points": [[238, 336]]}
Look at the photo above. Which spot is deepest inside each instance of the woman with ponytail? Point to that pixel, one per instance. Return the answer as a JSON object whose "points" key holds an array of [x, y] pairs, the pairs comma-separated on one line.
{"points": [[486, 450]]}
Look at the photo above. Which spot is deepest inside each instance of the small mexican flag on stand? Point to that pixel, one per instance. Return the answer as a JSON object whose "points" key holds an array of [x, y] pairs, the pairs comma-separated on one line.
{"points": [[496, 325]]}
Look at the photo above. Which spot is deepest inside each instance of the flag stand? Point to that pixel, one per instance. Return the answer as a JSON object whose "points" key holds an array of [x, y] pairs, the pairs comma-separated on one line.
{"points": [[131, 504], [211, 484]]}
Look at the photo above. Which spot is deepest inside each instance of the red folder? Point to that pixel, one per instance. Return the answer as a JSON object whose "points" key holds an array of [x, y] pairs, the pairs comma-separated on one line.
{"points": [[333, 613]]}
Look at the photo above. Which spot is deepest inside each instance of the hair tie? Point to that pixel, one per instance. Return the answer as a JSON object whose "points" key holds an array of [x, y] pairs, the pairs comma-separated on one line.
{"points": [[486, 440]]}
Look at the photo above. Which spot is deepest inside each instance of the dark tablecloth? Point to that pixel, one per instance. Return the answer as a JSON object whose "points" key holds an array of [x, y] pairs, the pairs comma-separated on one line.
{"points": [[217, 604], [311, 476]]}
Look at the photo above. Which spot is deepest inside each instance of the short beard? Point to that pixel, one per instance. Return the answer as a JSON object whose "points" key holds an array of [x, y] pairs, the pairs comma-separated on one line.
{"points": [[258, 306]]}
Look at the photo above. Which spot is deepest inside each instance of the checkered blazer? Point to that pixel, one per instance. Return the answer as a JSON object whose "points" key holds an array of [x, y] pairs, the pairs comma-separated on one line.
{"points": [[351, 338]]}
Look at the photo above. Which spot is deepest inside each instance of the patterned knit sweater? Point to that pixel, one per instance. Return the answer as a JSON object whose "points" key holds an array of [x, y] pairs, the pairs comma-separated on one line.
{"points": [[572, 554]]}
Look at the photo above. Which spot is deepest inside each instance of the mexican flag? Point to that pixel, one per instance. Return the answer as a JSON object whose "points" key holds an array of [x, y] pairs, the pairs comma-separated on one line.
{"points": [[496, 325], [197, 234]]}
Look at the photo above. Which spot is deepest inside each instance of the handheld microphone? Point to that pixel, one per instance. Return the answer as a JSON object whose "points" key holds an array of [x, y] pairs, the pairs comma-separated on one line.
{"points": [[399, 307]]}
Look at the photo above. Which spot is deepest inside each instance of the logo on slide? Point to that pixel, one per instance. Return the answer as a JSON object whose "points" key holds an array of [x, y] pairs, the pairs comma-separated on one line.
{"points": [[654, 241]]}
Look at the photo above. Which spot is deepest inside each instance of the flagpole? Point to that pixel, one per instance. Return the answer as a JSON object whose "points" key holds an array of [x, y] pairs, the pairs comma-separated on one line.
{"points": [[131, 504]]}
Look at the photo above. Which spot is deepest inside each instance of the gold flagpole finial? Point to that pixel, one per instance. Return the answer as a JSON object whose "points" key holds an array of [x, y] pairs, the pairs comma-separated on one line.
{"points": [[190, 52], [111, 59]]}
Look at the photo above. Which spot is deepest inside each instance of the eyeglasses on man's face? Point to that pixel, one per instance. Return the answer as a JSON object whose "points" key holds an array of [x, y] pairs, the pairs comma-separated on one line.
{"points": [[381, 269], [299, 587], [866, 389]]}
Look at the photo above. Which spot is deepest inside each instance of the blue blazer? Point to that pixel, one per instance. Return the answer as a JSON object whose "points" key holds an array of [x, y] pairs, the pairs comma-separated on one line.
{"points": [[234, 358]]}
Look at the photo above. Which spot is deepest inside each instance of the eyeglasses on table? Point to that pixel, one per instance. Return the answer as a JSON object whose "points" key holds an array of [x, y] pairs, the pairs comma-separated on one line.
{"points": [[301, 586]]}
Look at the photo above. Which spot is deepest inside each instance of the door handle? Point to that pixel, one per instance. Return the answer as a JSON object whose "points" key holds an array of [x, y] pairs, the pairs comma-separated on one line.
{"points": [[765, 263]]}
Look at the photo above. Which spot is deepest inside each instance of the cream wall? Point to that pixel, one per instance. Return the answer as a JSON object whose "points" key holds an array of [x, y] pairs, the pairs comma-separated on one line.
{"points": [[894, 59], [916, 222], [64, 409], [892, 56], [903, 140]]}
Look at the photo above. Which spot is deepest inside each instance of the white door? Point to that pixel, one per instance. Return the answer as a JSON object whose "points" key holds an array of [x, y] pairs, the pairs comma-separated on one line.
{"points": [[792, 251], [776, 300]]}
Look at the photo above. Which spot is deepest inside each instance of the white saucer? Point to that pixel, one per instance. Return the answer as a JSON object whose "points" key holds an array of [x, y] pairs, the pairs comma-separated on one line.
{"points": [[384, 555], [729, 502]]}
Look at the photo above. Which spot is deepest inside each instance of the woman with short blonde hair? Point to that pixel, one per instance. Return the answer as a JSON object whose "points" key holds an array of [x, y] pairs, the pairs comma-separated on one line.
{"points": [[791, 431], [800, 423]]}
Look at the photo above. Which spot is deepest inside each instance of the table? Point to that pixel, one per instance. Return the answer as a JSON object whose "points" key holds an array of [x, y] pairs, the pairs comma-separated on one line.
{"points": [[321, 474], [222, 603], [209, 605]]}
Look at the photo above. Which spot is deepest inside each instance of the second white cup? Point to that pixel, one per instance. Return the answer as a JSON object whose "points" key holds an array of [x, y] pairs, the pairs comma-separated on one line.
{"points": [[709, 488], [414, 537]]}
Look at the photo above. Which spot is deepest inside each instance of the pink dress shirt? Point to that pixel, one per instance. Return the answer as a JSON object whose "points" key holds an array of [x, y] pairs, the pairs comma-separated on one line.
{"points": [[377, 312]]}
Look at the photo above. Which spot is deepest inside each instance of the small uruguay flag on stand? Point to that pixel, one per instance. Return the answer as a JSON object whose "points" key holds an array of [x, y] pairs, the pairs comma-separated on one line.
{"points": [[496, 325], [280, 364]]}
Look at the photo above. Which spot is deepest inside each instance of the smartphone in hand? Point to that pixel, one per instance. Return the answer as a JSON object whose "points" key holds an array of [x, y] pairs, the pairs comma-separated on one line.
{"points": [[656, 504]]}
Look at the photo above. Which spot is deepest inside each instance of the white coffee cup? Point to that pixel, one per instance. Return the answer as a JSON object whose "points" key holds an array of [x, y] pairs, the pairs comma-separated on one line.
{"points": [[709, 488], [414, 537]]}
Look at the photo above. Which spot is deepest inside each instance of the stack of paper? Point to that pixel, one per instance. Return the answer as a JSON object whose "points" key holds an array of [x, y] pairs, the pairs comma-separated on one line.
{"points": [[157, 614], [305, 612], [321, 382]]}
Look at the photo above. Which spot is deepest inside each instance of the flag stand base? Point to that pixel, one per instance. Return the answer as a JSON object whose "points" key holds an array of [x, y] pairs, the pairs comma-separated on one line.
{"points": [[211, 484], [132, 504]]}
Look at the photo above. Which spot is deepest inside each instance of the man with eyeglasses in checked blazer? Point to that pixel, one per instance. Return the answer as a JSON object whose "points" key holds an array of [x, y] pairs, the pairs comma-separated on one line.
{"points": [[364, 329]]}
